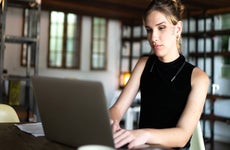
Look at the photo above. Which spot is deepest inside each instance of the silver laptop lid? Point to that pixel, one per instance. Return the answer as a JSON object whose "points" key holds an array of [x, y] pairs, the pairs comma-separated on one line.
{"points": [[73, 112]]}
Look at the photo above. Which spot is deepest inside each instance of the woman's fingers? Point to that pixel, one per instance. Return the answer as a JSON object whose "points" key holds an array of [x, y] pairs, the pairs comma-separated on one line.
{"points": [[122, 137]]}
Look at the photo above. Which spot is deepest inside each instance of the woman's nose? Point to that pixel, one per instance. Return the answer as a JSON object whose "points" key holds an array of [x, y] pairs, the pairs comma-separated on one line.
{"points": [[154, 37]]}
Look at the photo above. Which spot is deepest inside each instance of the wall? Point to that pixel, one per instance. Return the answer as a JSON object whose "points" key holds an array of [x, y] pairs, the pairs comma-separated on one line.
{"points": [[109, 78]]}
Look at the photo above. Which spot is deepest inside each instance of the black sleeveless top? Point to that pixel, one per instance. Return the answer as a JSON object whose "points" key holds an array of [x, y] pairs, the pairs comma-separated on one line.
{"points": [[164, 91]]}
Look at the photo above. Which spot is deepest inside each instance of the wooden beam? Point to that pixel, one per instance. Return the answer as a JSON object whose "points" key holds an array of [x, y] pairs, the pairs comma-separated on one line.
{"points": [[207, 4], [130, 11], [94, 9], [196, 13]]}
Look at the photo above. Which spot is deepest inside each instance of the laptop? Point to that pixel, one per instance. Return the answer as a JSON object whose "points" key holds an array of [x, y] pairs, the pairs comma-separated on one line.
{"points": [[73, 112]]}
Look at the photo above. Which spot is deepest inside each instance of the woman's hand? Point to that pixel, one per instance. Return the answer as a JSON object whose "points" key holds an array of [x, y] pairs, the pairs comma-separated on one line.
{"points": [[132, 138], [115, 125]]}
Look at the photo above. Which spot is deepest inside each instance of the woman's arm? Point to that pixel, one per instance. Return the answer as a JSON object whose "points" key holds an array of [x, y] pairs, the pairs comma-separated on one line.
{"points": [[129, 92]]}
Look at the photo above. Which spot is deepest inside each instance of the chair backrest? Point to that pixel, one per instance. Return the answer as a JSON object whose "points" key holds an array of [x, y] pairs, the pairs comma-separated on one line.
{"points": [[197, 141], [8, 114]]}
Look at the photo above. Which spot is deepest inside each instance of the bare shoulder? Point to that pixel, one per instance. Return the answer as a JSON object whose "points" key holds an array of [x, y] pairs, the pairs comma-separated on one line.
{"points": [[140, 65], [141, 62], [199, 77], [143, 59]]}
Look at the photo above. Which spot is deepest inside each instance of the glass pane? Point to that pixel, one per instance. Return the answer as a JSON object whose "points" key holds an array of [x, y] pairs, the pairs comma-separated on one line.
{"points": [[55, 59], [102, 47], [96, 32], [137, 31], [136, 49], [52, 59], [98, 61], [185, 26], [126, 49], [225, 21], [209, 24], [53, 30], [52, 43], [70, 45], [98, 40], [95, 47], [71, 60], [95, 61], [192, 43], [146, 48], [192, 25], [60, 29], [95, 20], [71, 18], [200, 25], [57, 17], [59, 43], [58, 60], [125, 65], [126, 31], [102, 33], [71, 30], [218, 43]]}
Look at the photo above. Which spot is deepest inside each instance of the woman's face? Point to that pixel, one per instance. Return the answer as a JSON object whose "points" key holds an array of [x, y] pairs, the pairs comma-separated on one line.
{"points": [[162, 35]]}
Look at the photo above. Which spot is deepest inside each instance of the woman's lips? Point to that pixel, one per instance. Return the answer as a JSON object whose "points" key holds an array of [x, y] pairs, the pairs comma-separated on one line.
{"points": [[156, 46]]}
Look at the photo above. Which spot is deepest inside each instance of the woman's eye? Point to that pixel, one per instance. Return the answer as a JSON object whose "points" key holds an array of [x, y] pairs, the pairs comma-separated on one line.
{"points": [[161, 27], [148, 30]]}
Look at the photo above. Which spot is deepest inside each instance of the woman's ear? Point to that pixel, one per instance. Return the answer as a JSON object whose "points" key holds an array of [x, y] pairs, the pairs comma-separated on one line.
{"points": [[179, 27]]}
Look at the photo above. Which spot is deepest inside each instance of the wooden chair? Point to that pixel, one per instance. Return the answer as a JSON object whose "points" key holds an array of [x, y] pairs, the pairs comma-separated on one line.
{"points": [[8, 114]]}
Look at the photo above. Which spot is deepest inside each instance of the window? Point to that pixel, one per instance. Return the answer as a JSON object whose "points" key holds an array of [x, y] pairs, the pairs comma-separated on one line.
{"points": [[98, 50], [134, 45], [64, 40]]}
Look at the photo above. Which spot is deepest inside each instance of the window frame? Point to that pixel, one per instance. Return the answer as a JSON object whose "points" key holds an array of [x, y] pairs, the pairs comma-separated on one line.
{"points": [[78, 42], [105, 45]]}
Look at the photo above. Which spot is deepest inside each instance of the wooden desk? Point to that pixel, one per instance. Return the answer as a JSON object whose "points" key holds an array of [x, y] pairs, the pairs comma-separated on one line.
{"points": [[11, 138]]}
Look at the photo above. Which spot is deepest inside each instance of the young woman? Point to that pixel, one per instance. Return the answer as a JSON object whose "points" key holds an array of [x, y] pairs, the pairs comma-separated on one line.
{"points": [[173, 91]]}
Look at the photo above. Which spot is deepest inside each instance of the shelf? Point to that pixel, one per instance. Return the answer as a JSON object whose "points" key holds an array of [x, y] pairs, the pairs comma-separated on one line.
{"points": [[216, 118], [15, 77], [31, 24], [217, 96], [203, 47], [206, 34], [211, 115], [20, 40], [209, 54]]}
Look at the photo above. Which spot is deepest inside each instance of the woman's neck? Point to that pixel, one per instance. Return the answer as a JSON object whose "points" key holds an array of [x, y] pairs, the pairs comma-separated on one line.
{"points": [[169, 58]]}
